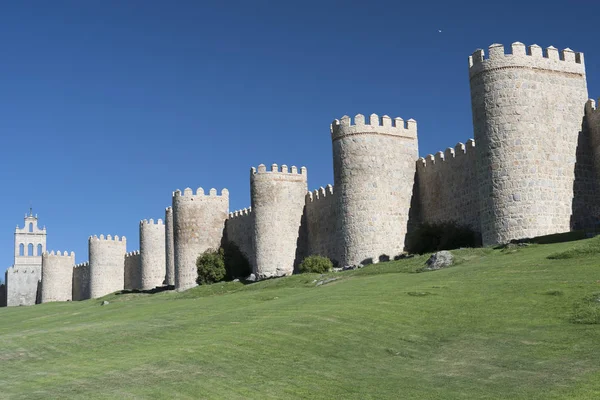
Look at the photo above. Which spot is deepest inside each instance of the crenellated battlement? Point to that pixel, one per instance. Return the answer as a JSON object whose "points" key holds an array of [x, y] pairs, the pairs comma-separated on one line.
{"points": [[188, 192], [447, 156], [275, 169], [376, 125], [84, 264], [132, 253], [320, 193], [533, 56], [151, 222], [240, 213], [108, 238], [59, 254]]}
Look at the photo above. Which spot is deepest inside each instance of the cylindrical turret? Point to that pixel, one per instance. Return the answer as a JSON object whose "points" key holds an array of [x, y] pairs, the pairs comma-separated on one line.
{"points": [[374, 171], [198, 224], [133, 271], [527, 114], [152, 253], [107, 265], [169, 247], [278, 199], [57, 276]]}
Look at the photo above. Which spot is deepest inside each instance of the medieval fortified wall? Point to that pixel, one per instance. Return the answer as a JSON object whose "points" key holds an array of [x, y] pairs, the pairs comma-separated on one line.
{"points": [[533, 168]]}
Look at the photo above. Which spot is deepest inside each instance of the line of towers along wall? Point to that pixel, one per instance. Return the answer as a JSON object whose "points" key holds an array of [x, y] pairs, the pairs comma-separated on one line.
{"points": [[532, 169]]}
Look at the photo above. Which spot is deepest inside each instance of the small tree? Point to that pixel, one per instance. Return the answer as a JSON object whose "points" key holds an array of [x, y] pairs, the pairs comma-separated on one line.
{"points": [[210, 266], [316, 264]]}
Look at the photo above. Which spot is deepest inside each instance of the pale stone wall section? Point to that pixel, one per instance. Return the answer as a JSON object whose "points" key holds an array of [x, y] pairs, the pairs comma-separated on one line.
{"points": [[153, 256], [239, 229], [81, 281], [133, 271], [321, 219], [527, 115], [198, 224], [591, 207], [374, 170], [57, 276], [278, 198], [169, 248], [107, 265], [22, 285], [448, 189]]}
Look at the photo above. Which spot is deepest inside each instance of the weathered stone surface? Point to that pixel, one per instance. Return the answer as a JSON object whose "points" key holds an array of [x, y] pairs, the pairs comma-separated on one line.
{"points": [[107, 265], [278, 199], [57, 276], [374, 169], [198, 224], [439, 260], [81, 282], [527, 115], [133, 271], [169, 247], [152, 254]]}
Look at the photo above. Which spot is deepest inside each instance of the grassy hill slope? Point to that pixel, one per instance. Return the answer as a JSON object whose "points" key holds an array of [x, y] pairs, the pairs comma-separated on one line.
{"points": [[501, 324]]}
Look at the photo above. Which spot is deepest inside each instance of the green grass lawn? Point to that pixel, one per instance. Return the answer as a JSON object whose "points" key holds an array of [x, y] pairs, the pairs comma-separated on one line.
{"points": [[501, 324]]}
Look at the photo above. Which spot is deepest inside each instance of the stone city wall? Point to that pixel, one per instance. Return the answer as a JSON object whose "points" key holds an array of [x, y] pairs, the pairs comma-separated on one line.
{"points": [[169, 248], [107, 265], [321, 219], [448, 189], [278, 205], [374, 172], [527, 115], [81, 282], [198, 225], [239, 229], [133, 271], [153, 256], [23, 284], [57, 276]]}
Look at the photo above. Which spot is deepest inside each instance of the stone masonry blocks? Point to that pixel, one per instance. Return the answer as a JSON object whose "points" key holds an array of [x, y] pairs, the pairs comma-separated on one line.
{"points": [[107, 264], [374, 170], [198, 225], [527, 115], [278, 198], [152, 251], [169, 247], [23, 284], [81, 282], [133, 271], [57, 276]]}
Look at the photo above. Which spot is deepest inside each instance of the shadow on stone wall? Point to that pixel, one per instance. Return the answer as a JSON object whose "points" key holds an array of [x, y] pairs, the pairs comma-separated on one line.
{"points": [[2, 295], [584, 208], [414, 213]]}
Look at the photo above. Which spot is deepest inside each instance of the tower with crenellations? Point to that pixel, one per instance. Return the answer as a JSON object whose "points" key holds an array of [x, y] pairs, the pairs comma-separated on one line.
{"points": [[373, 169], [107, 265], [528, 109], [198, 224], [57, 276], [277, 201], [152, 253]]}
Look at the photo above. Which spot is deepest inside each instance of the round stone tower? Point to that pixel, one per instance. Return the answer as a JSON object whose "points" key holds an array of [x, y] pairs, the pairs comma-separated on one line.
{"points": [[57, 276], [198, 224], [107, 265], [152, 253], [169, 247], [278, 198], [528, 108], [374, 171]]}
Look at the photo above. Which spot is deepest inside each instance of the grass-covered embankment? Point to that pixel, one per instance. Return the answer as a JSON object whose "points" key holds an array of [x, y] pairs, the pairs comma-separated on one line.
{"points": [[500, 324]]}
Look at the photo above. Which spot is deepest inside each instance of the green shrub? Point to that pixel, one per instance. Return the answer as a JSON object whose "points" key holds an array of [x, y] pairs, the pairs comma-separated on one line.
{"points": [[210, 266], [427, 238], [236, 263], [316, 264]]}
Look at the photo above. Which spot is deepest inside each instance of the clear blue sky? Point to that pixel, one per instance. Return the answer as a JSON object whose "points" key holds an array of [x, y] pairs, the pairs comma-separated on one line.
{"points": [[106, 107]]}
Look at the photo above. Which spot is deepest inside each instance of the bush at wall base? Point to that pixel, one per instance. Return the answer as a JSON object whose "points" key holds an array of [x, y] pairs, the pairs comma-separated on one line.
{"points": [[211, 267], [316, 264]]}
